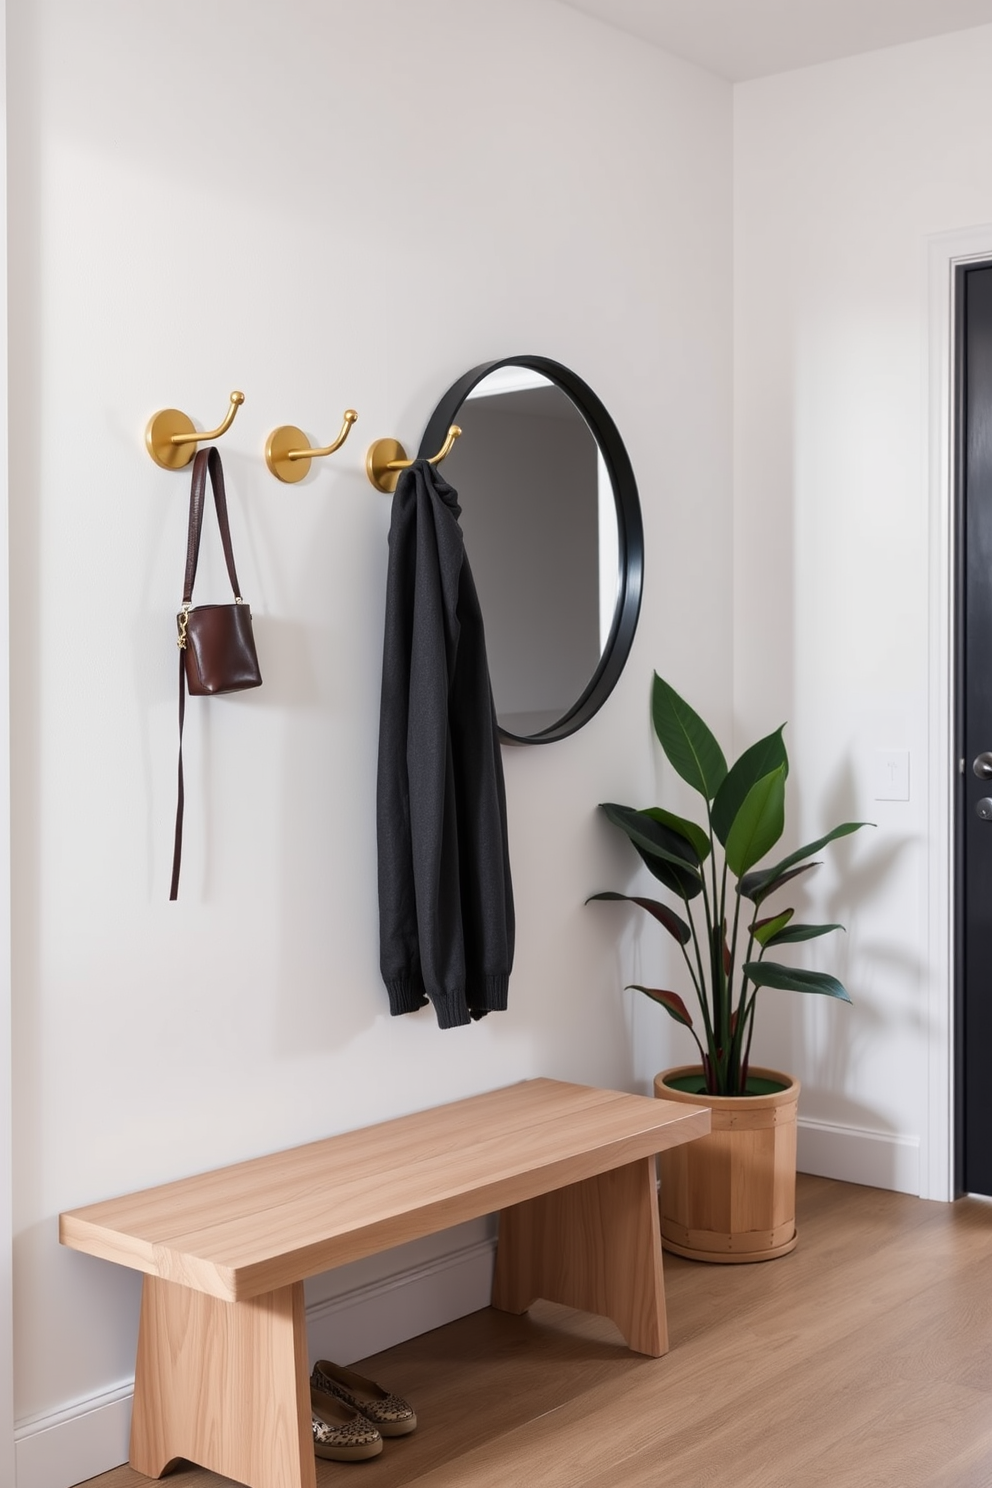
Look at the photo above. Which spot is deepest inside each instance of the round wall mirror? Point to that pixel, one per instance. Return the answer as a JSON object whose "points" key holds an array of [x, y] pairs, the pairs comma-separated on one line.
{"points": [[553, 534]]}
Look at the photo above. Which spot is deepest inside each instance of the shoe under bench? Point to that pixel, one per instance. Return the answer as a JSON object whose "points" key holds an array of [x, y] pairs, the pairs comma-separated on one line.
{"points": [[222, 1371]]}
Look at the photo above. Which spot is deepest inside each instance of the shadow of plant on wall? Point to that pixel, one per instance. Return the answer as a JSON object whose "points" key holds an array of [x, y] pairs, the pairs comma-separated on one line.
{"points": [[887, 979], [724, 939]]}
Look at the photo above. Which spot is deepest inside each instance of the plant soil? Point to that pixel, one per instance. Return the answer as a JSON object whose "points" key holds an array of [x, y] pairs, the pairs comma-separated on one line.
{"points": [[756, 1085]]}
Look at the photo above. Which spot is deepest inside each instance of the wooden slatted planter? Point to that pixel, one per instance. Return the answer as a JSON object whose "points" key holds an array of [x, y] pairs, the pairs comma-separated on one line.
{"points": [[731, 1196]]}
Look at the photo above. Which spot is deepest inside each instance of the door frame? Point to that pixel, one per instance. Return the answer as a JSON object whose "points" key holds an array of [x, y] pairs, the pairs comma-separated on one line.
{"points": [[7, 1463], [946, 252]]}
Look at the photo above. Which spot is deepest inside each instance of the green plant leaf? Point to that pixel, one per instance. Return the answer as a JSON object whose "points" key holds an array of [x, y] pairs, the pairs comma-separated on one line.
{"points": [[793, 933], [758, 824], [685, 882], [669, 857], [672, 922], [690, 746], [645, 831], [767, 755], [690, 830], [758, 886], [763, 930], [793, 979], [804, 852], [670, 1001]]}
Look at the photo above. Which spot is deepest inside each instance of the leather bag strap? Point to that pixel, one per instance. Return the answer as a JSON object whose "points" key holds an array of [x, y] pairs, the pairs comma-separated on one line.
{"points": [[177, 850], [207, 461]]}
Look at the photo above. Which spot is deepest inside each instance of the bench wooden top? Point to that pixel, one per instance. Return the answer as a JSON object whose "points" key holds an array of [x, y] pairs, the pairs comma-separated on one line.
{"points": [[244, 1230]]}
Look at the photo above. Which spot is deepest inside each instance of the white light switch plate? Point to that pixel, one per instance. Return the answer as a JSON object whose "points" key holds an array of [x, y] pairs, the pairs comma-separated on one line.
{"points": [[892, 775]]}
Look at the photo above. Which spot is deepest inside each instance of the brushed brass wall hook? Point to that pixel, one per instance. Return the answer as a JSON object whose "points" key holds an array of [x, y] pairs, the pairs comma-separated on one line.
{"points": [[171, 439], [387, 457], [288, 453]]}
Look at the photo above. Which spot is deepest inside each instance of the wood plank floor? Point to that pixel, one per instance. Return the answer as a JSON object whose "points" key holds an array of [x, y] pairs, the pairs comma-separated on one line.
{"points": [[863, 1360]]}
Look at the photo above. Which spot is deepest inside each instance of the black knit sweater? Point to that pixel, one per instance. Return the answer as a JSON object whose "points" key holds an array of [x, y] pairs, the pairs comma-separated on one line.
{"points": [[446, 923]]}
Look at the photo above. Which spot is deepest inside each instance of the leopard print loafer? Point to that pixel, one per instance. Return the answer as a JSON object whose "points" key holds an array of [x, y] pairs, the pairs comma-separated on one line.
{"points": [[393, 1415], [339, 1432]]}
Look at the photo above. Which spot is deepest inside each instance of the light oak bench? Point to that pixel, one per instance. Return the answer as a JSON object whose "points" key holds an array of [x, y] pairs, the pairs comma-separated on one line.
{"points": [[222, 1373]]}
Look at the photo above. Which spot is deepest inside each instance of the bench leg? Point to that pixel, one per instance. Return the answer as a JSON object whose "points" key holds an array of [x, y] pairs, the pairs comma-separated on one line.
{"points": [[595, 1245], [224, 1385]]}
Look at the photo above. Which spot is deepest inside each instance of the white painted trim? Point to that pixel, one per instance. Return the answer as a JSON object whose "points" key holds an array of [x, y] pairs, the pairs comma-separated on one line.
{"points": [[945, 252], [7, 1463], [856, 1155], [373, 1317], [77, 1442], [90, 1436]]}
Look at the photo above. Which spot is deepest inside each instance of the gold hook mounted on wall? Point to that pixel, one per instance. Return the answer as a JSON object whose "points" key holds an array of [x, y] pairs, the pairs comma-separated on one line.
{"points": [[171, 439], [387, 457], [288, 453]]}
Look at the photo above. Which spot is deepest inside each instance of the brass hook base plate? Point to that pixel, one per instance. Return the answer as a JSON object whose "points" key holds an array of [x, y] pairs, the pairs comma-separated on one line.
{"points": [[158, 439], [377, 464], [287, 437]]}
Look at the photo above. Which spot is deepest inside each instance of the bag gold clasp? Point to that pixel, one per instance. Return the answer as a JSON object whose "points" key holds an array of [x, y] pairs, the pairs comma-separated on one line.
{"points": [[183, 622]]}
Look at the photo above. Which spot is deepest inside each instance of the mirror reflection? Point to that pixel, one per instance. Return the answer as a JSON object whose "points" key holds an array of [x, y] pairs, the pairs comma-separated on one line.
{"points": [[541, 533]]}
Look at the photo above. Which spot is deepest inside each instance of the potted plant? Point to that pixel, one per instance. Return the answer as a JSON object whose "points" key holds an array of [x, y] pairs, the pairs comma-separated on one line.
{"points": [[729, 1196]]}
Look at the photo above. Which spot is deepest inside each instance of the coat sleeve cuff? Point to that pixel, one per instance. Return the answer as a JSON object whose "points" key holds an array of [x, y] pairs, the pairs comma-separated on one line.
{"points": [[406, 995]]}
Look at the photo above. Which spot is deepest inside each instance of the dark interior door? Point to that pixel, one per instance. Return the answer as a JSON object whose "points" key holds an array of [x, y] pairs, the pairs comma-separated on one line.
{"points": [[974, 733]]}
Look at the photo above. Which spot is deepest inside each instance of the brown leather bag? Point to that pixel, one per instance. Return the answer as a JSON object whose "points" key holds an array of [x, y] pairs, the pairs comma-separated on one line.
{"points": [[216, 642]]}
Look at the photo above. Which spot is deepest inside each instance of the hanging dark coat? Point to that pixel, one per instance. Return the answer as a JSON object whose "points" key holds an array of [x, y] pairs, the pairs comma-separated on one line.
{"points": [[446, 923]]}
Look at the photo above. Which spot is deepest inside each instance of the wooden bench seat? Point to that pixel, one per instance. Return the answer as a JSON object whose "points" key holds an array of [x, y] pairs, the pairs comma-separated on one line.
{"points": [[222, 1373]]}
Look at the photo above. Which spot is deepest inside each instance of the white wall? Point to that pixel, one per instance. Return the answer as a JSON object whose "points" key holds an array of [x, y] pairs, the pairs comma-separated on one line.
{"points": [[846, 176], [323, 205]]}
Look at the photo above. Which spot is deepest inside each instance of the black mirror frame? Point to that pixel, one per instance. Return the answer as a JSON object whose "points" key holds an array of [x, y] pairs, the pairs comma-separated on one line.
{"points": [[630, 530]]}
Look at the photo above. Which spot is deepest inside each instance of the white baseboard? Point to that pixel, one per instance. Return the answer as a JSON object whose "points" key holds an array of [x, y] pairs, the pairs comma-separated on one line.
{"points": [[373, 1317], [89, 1437], [878, 1159], [68, 1446]]}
